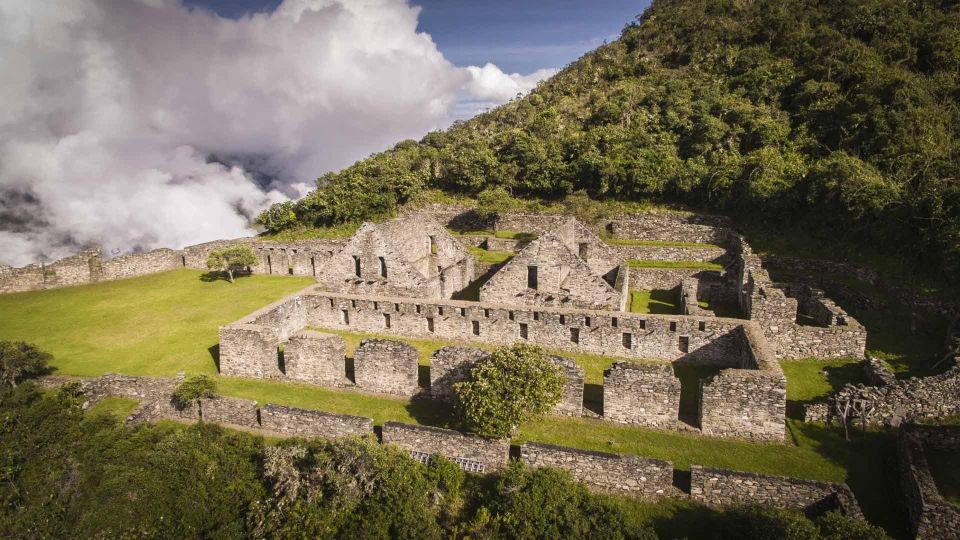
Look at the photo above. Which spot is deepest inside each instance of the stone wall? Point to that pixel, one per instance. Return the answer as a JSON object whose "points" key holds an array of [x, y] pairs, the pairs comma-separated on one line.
{"points": [[607, 473], [229, 410], [643, 394], [892, 404], [316, 358], [249, 350], [138, 264], [450, 365], [663, 278], [672, 226], [721, 487], [704, 253], [310, 423], [390, 367], [472, 453], [571, 403], [749, 402], [931, 515], [628, 335]]}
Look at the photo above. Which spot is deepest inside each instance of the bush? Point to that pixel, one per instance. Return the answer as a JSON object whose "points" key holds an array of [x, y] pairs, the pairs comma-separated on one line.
{"points": [[764, 523], [835, 526], [511, 386], [19, 361]]}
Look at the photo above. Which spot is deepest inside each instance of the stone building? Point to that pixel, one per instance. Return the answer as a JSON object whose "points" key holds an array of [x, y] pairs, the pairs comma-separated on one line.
{"points": [[568, 266], [409, 256]]}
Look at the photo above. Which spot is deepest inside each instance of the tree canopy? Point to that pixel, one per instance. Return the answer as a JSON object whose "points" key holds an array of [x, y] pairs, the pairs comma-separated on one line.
{"points": [[19, 360], [510, 386], [841, 118], [231, 259]]}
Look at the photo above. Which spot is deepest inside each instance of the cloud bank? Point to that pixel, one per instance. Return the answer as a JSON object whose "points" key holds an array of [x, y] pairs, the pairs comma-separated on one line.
{"points": [[136, 124]]}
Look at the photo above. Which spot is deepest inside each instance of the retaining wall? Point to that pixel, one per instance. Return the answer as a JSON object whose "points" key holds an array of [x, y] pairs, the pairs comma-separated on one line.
{"points": [[310, 423], [607, 473], [472, 453]]}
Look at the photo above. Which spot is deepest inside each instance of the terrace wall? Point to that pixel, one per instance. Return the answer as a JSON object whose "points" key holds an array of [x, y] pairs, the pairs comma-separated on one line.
{"points": [[471, 452], [607, 473], [931, 515], [721, 487], [310, 423]]}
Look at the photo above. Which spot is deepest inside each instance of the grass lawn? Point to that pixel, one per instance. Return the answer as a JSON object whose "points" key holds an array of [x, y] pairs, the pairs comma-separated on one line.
{"points": [[691, 265], [657, 243], [164, 323], [663, 302], [311, 233], [149, 325], [945, 468], [117, 406], [490, 257], [812, 380]]}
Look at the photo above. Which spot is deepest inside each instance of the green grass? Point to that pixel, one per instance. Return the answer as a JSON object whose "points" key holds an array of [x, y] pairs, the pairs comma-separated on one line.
{"points": [[684, 265], [119, 407], [657, 301], [657, 243], [149, 325], [311, 233], [812, 380], [490, 257], [945, 468]]}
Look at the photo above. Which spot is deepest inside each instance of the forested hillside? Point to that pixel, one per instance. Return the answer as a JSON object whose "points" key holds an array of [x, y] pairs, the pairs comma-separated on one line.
{"points": [[840, 118]]}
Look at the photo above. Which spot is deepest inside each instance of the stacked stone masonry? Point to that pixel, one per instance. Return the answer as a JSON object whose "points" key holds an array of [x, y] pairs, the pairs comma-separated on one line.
{"points": [[607, 473], [641, 394], [450, 365], [313, 424], [315, 358], [386, 366], [736, 345], [931, 515], [721, 487], [472, 453]]}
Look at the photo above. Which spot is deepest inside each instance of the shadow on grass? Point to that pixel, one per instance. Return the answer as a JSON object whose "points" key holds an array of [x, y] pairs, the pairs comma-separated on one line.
{"points": [[593, 397], [423, 378], [871, 463], [214, 351], [664, 302], [210, 277], [431, 412], [837, 377]]}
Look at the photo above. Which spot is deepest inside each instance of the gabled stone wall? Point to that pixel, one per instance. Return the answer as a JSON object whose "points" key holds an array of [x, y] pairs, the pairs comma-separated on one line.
{"points": [[571, 403], [249, 350], [381, 365], [471, 452], [642, 394], [721, 487], [615, 474]]}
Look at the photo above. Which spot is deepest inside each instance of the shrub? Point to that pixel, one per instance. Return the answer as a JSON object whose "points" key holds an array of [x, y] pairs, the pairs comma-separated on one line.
{"points": [[19, 361], [193, 390], [764, 523], [511, 386], [835, 526]]}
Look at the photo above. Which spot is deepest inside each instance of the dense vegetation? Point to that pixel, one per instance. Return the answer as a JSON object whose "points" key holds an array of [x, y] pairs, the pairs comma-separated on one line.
{"points": [[840, 118], [67, 474]]}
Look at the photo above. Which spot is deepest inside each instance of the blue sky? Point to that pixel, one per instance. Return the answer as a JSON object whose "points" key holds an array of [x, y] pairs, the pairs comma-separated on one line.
{"points": [[518, 36]]}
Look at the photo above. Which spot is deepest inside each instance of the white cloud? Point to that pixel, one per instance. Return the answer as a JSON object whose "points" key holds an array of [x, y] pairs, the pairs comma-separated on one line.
{"points": [[110, 109]]}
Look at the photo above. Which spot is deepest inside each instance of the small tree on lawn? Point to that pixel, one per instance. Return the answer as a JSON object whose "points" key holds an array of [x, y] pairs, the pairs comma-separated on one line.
{"points": [[231, 259], [513, 385], [194, 389], [19, 360]]}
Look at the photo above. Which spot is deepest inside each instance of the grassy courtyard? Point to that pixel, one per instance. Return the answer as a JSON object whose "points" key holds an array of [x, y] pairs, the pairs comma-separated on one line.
{"points": [[662, 302], [164, 323], [150, 325]]}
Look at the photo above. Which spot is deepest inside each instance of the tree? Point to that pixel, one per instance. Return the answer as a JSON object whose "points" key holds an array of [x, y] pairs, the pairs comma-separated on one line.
{"points": [[231, 259], [193, 390], [278, 217], [511, 386], [19, 360]]}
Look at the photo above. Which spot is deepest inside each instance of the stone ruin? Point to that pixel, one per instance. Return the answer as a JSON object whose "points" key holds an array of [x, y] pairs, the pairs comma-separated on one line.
{"points": [[385, 366], [931, 514]]}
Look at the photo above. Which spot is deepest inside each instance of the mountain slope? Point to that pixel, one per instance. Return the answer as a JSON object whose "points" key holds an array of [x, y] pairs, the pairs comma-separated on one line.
{"points": [[838, 117]]}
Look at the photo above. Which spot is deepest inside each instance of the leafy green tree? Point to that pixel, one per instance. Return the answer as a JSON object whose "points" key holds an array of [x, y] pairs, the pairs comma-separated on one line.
{"points": [[231, 259], [278, 217], [512, 385], [193, 390], [19, 360]]}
